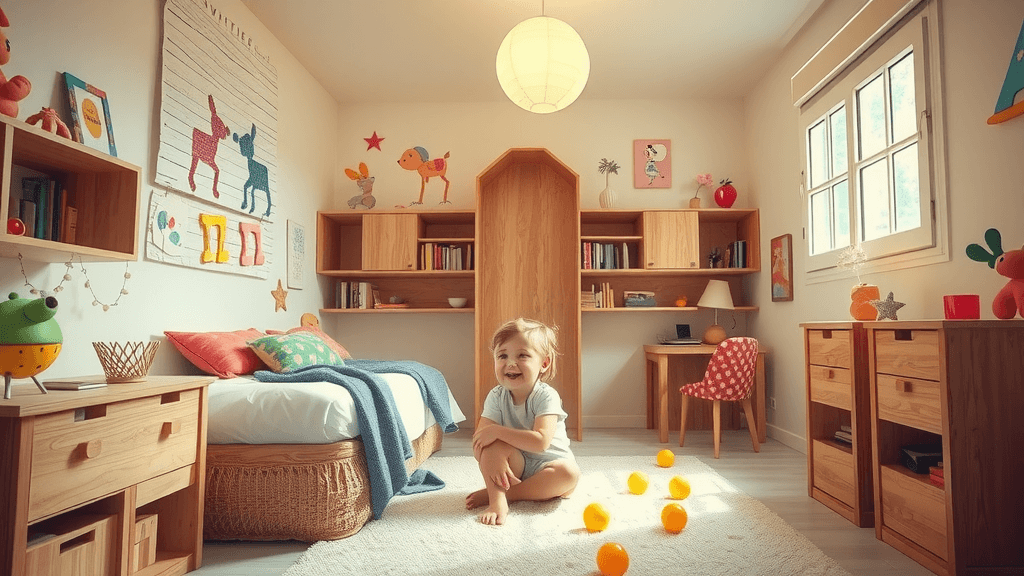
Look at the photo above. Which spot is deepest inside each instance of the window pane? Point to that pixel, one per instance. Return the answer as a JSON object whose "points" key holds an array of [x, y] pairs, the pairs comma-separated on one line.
{"points": [[817, 147], [841, 202], [904, 108], [871, 117], [874, 198], [908, 203], [838, 122], [821, 227]]}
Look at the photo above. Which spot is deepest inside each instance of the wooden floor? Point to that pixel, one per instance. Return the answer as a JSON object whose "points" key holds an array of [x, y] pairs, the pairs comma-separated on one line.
{"points": [[777, 477]]}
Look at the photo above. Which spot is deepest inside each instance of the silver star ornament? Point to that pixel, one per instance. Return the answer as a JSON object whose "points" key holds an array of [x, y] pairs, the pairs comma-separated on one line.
{"points": [[887, 308]]}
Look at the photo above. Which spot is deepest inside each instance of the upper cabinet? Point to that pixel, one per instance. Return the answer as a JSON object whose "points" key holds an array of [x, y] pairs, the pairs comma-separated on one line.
{"points": [[390, 241], [671, 239], [101, 190]]}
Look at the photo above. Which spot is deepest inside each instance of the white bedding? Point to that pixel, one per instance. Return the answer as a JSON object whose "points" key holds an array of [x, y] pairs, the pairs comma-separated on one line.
{"points": [[246, 411]]}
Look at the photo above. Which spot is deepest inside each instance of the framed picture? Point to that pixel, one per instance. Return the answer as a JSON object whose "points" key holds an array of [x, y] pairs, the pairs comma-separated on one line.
{"points": [[652, 163], [782, 268], [296, 254], [90, 114]]}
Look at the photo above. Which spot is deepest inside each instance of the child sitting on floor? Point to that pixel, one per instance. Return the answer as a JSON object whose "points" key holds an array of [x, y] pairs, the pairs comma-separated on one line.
{"points": [[520, 442]]}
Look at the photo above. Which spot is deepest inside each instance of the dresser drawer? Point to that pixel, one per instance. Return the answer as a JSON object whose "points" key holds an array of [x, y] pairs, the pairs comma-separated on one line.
{"points": [[80, 455], [829, 348], [909, 401], [912, 353], [915, 509], [831, 386], [85, 546], [833, 472]]}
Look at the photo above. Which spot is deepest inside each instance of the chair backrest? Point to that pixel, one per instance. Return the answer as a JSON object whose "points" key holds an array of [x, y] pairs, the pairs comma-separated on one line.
{"points": [[731, 369]]}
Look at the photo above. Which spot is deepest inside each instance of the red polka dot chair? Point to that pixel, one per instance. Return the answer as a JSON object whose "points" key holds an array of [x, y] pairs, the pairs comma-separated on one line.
{"points": [[730, 376]]}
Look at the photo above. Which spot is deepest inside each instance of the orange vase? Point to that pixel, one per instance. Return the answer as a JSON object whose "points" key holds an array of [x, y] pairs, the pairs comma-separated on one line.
{"points": [[862, 295]]}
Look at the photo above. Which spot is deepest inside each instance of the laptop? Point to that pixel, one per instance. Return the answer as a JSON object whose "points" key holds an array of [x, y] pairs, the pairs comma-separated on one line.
{"points": [[683, 336]]}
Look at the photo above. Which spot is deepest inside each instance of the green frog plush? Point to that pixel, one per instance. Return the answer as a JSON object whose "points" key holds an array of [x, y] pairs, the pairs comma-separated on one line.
{"points": [[30, 338]]}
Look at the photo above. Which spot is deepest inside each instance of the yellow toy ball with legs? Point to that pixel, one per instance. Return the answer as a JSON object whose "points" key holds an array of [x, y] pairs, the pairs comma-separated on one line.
{"points": [[679, 487], [673, 518], [612, 559], [596, 517], [666, 458], [638, 482]]}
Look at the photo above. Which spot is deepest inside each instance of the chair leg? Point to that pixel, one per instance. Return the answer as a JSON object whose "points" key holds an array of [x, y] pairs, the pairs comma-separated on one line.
{"points": [[748, 409], [685, 402], [718, 426]]}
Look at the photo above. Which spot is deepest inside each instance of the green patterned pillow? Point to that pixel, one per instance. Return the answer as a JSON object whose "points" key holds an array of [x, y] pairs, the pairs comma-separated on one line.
{"points": [[289, 352]]}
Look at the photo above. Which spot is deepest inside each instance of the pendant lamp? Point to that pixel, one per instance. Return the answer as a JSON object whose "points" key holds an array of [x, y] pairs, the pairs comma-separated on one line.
{"points": [[542, 65]]}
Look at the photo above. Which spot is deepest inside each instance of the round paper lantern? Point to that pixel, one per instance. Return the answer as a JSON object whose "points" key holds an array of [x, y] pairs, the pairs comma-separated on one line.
{"points": [[542, 65]]}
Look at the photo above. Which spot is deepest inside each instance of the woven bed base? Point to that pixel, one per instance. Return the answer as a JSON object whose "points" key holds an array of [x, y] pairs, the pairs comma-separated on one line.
{"points": [[293, 491]]}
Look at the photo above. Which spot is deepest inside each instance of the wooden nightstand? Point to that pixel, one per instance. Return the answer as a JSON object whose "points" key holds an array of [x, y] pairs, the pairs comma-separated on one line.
{"points": [[91, 479]]}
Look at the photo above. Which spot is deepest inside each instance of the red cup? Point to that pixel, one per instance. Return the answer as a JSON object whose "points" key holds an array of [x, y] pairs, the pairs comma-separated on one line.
{"points": [[962, 306]]}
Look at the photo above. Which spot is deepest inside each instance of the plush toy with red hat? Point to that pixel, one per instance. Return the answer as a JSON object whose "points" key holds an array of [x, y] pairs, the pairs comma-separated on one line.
{"points": [[15, 89]]}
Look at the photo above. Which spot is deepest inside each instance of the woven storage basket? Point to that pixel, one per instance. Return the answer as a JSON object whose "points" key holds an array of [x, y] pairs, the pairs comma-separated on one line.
{"points": [[128, 362]]}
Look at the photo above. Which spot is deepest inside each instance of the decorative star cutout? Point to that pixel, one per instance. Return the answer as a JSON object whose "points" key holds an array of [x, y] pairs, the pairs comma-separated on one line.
{"points": [[279, 295], [373, 141], [887, 308]]}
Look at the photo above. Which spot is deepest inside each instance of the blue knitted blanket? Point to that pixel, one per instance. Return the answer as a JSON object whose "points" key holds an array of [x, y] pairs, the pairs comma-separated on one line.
{"points": [[385, 441]]}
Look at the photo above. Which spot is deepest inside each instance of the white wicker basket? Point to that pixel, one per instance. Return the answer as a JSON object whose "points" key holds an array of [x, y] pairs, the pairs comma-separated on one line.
{"points": [[128, 362]]}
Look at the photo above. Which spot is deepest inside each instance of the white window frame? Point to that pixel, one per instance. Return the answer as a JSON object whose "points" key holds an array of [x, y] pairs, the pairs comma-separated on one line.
{"points": [[929, 244]]}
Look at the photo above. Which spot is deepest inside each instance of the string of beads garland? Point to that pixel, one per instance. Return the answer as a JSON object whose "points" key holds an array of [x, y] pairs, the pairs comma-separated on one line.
{"points": [[67, 276]]}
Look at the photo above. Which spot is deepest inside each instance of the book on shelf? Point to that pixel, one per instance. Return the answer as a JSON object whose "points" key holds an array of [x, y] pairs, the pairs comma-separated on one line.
{"points": [[936, 470], [69, 225], [388, 305], [844, 437], [937, 480], [28, 216], [86, 383]]}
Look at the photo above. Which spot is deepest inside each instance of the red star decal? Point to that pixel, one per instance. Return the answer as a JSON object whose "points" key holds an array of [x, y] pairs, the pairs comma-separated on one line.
{"points": [[373, 141]]}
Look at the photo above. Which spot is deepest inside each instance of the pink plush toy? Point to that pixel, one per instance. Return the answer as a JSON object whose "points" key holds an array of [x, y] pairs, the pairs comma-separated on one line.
{"points": [[51, 122], [15, 89]]}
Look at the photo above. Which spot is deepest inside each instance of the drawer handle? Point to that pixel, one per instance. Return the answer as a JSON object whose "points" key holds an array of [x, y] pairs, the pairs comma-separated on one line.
{"points": [[830, 374], [171, 428], [90, 449], [904, 386]]}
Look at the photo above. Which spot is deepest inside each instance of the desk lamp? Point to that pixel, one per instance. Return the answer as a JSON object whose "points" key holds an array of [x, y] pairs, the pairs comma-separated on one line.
{"points": [[716, 295]]}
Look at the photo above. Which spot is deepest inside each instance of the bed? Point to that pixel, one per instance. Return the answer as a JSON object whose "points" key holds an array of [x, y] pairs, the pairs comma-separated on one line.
{"points": [[286, 460]]}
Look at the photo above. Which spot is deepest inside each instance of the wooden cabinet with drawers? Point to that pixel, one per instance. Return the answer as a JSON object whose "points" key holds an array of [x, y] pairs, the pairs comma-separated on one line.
{"points": [[958, 384], [106, 481], [838, 473]]}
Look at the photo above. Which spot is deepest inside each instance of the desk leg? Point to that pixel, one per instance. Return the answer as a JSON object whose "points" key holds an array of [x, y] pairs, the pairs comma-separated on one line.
{"points": [[649, 367], [662, 398], [759, 399]]}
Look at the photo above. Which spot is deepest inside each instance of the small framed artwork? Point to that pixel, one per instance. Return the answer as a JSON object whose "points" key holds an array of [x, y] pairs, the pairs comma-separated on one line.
{"points": [[296, 254], [90, 114], [782, 268], [652, 163]]}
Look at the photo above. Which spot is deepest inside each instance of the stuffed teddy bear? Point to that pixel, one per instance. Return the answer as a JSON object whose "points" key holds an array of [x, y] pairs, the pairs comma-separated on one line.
{"points": [[15, 89]]}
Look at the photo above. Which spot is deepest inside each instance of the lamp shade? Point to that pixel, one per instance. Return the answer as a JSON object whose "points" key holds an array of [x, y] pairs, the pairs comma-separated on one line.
{"points": [[542, 65], [716, 295]]}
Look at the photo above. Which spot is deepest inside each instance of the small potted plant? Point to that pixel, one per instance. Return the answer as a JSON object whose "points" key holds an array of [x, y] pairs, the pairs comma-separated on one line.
{"points": [[607, 167], [702, 181]]}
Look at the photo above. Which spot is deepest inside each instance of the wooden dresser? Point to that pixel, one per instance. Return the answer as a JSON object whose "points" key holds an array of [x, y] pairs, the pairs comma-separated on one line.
{"points": [[107, 481], [836, 373], [958, 384]]}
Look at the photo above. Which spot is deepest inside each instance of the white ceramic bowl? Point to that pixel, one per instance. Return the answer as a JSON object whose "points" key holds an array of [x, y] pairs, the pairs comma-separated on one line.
{"points": [[457, 302]]}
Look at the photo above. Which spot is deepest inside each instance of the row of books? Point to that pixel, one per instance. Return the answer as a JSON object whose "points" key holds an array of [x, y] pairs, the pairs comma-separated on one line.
{"points": [[361, 295], [604, 256], [598, 297], [43, 208], [436, 256]]}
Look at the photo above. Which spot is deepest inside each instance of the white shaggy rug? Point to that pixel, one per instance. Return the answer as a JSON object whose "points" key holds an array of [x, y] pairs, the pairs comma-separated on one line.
{"points": [[433, 534]]}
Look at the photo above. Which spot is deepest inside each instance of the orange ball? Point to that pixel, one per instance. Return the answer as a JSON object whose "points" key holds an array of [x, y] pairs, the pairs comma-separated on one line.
{"points": [[666, 458], [638, 482], [596, 517], [679, 487], [612, 559], [673, 518]]}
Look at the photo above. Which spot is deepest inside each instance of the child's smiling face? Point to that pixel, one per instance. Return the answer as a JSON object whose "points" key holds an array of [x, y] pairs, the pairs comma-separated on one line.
{"points": [[517, 364]]}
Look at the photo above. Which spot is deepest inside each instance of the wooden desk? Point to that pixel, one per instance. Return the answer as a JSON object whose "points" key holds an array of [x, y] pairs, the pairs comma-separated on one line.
{"points": [[656, 370]]}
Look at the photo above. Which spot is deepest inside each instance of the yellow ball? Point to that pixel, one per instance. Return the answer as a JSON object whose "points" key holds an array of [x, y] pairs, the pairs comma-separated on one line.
{"points": [[612, 559], [673, 518], [666, 458], [596, 517], [638, 482], [679, 487]]}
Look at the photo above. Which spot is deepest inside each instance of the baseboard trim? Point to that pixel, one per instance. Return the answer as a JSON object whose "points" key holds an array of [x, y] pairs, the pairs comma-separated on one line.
{"points": [[786, 437]]}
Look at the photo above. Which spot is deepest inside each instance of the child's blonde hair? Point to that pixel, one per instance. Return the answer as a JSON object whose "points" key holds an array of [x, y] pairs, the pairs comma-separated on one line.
{"points": [[541, 337]]}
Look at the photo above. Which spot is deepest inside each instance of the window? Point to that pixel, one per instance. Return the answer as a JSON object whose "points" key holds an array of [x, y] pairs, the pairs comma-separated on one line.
{"points": [[873, 166]]}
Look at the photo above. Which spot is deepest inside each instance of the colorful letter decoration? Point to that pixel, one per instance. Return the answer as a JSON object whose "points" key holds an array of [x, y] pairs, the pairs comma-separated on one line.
{"points": [[246, 259], [208, 221]]}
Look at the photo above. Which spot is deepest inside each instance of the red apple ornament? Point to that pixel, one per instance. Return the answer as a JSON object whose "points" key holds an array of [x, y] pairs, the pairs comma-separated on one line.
{"points": [[725, 195]]}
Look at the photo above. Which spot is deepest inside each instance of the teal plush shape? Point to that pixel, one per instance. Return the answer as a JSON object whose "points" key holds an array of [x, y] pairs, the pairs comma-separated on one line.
{"points": [[285, 353]]}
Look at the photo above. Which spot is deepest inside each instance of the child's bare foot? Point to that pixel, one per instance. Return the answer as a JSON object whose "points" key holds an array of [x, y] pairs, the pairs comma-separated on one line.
{"points": [[495, 514], [477, 499]]}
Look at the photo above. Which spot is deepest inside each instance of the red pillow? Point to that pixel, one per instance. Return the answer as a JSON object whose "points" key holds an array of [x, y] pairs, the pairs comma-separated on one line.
{"points": [[223, 354], [338, 348]]}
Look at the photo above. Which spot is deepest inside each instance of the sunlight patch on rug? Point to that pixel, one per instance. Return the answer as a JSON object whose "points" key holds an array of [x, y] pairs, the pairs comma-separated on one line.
{"points": [[433, 534]]}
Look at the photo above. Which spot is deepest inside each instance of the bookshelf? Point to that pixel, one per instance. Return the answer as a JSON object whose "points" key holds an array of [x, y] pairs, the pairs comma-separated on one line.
{"points": [[103, 189]]}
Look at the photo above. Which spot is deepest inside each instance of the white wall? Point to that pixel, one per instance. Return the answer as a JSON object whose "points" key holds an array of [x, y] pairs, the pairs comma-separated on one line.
{"points": [[116, 45], [984, 187]]}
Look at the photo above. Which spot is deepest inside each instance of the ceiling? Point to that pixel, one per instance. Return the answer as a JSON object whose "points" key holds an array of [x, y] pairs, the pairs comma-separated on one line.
{"points": [[365, 51]]}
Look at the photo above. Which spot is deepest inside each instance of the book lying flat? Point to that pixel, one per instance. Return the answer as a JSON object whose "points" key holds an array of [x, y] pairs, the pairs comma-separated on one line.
{"points": [[86, 383]]}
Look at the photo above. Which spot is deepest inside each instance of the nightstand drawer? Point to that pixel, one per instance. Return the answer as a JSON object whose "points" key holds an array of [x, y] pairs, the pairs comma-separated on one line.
{"points": [[831, 386], [911, 353], [829, 348], [910, 402], [915, 509], [833, 472], [79, 455]]}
